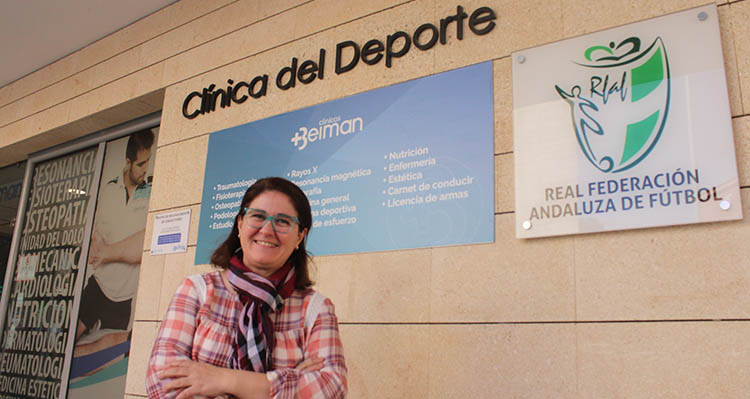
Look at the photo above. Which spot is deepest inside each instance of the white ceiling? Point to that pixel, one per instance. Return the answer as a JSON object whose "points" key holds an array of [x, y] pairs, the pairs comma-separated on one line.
{"points": [[36, 33]]}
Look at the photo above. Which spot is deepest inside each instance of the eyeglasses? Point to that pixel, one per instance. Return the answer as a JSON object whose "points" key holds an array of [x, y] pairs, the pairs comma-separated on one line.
{"points": [[257, 218]]}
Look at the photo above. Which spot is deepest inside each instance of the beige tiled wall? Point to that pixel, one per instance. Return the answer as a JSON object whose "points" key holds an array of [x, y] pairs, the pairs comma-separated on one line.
{"points": [[659, 312], [663, 359]]}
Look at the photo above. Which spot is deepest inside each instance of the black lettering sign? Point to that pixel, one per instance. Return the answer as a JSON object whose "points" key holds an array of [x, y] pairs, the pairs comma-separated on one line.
{"points": [[347, 56]]}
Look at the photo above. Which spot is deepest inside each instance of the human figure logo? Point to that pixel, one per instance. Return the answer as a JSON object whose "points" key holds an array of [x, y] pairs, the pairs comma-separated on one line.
{"points": [[620, 113]]}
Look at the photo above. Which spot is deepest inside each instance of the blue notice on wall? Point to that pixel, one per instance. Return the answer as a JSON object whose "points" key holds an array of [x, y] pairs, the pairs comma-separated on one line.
{"points": [[168, 238], [405, 166]]}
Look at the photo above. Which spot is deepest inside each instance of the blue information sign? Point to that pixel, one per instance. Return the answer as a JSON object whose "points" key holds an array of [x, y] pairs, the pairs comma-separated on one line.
{"points": [[405, 166], [168, 238]]}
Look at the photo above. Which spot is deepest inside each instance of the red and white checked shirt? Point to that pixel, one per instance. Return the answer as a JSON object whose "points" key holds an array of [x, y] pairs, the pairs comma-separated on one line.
{"points": [[206, 332]]}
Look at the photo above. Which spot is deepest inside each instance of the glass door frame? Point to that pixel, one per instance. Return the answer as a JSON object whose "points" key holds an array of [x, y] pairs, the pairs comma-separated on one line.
{"points": [[99, 138]]}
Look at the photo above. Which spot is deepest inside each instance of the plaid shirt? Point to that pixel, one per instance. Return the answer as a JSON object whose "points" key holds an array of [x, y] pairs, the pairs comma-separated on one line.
{"points": [[206, 332]]}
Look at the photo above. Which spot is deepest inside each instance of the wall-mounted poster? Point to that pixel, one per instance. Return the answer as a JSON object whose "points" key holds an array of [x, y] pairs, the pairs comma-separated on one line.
{"points": [[625, 128], [105, 315], [405, 166], [41, 295]]}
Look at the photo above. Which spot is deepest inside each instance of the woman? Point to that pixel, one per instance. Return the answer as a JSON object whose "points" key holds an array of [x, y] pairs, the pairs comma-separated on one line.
{"points": [[214, 338]]}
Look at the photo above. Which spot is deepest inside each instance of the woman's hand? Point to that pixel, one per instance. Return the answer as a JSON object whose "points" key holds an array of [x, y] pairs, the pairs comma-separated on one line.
{"points": [[311, 364], [201, 379], [195, 379]]}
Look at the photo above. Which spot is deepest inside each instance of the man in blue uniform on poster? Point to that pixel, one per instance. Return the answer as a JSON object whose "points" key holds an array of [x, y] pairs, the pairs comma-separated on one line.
{"points": [[107, 301]]}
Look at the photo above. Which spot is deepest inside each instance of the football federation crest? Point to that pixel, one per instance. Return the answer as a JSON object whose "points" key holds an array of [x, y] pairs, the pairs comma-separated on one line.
{"points": [[620, 112]]}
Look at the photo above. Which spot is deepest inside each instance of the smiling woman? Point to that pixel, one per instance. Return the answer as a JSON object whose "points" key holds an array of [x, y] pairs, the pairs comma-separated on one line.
{"points": [[254, 328]]}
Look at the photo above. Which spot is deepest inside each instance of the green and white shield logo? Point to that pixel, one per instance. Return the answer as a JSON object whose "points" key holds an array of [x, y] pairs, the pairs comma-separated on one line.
{"points": [[620, 112]]}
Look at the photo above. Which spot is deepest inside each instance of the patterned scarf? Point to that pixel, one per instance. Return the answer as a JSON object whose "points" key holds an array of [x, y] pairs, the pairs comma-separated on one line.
{"points": [[259, 296]]}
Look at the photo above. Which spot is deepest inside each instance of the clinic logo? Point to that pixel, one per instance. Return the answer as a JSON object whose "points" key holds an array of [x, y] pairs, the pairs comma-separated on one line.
{"points": [[620, 108], [326, 128]]}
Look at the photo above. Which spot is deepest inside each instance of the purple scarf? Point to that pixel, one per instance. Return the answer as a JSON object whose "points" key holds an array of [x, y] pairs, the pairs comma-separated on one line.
{"points": [[260, 297]]}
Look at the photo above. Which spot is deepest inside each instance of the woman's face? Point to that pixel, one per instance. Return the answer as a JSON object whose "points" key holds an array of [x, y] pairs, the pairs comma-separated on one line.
{"points": [[265, 250]]}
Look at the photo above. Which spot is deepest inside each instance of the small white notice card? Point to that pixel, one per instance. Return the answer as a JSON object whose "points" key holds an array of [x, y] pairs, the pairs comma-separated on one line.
{"points": [[170, 232]]}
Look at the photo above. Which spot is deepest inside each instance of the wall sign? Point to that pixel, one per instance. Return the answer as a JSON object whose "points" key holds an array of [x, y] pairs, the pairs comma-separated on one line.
{"points": [[348, 55], [43, 289], [170, 232], [110, 279], [405, 166], [625, 128]]}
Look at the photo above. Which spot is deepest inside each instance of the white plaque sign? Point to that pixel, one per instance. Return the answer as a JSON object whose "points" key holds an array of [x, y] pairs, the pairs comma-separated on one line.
{"points": [[625, 128], [170, 232]]}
